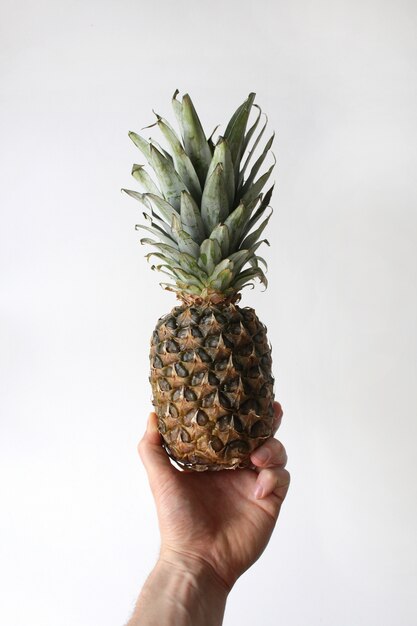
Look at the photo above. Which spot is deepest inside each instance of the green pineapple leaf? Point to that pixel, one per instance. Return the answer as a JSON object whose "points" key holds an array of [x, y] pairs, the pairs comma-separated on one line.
{"points": [[214, 202], [158, 224], [210, 255], [140, 197], [190, 265], [235, 131], [223, 155], [195, 142], [253, 237], [252, 129], [170, 182], [222, 282], [221, 234], [169, 251], [142, 176], [257, 165], [242, 257], [181, 159], [251, 152], [188, 279], [259, 212], [237, 221], [257, 187], [157, 232], [226, 264], [201, 208], [247, 277], [191, 217], [165, 208], [185, 242], [141, 143]]}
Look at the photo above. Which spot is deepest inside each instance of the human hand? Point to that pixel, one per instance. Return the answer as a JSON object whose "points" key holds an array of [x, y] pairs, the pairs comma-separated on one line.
{"points": [[222, 520]]}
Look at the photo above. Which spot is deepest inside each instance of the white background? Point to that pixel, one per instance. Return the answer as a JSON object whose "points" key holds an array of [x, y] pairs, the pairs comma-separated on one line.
{"points": [[78, 302]]}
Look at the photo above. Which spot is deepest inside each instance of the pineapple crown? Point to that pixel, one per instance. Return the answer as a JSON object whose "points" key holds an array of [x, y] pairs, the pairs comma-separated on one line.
{"points": [[204, 206]]}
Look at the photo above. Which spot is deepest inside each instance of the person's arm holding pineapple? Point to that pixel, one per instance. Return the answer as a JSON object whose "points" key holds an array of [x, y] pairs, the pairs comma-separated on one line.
{"points": [[214, 526]]}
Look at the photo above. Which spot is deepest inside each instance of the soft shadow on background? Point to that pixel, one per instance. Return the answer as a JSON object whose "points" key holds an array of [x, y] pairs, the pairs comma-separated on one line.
{"points": [[78, 301]]}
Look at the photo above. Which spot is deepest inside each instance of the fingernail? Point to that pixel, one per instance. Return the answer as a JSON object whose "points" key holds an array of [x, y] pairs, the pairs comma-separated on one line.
{"points": [[259, 492], [262, 455]]}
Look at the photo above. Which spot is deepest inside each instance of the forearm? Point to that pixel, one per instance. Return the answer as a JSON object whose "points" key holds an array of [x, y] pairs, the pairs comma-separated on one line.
{"points": [[180, 591]]}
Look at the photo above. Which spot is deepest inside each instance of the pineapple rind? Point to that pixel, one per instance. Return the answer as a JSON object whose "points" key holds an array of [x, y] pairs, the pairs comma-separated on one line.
{"points": [[212, 384]]}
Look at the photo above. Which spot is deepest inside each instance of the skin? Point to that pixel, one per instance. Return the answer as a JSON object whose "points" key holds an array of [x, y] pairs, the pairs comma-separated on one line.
{"points": [[213, 527]]}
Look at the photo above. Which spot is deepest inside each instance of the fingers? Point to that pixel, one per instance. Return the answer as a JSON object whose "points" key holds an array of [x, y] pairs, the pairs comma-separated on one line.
{"points": [[271, 454], [154, 457], [272, 480], [278, 413], [270, 460]]}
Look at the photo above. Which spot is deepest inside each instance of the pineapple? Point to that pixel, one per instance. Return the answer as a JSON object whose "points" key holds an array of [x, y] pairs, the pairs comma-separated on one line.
{"points": [[210, 359]]}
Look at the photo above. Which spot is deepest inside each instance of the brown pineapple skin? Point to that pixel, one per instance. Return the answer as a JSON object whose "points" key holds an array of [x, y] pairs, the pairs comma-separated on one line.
{"points": [[212, 384]]}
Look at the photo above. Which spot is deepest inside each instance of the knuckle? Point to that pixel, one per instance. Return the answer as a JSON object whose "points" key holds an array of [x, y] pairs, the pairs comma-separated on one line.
{"points": [[279, 453], [282, 484], [276, 446], [285, 477], [278, 409]]}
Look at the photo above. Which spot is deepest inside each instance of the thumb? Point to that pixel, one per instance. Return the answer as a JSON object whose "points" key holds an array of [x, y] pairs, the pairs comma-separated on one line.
{"points": [[154, 457]]}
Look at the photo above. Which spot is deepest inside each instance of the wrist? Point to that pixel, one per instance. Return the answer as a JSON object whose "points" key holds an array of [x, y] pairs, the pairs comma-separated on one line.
{"points": [[182, 590], [192, 582], [197, 569]]}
